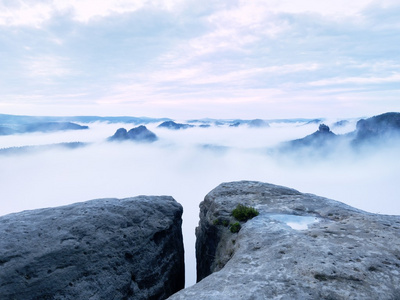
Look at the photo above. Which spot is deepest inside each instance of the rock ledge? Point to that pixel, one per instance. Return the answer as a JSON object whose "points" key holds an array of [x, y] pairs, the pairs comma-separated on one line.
{"points": [[101, 249], [300, 246]]}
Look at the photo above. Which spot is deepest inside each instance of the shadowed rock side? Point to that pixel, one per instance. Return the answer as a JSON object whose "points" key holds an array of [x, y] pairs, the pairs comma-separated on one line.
{"points": [[101, 249], [137, 134], [343, 253]]}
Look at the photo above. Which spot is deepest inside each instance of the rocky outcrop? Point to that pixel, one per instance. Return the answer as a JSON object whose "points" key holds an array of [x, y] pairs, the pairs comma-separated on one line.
{"points": [[381, 130], [137, 134], [101, 249], [321, 138], [320, 144], [378, 128], [300, 246], [174, 126]]}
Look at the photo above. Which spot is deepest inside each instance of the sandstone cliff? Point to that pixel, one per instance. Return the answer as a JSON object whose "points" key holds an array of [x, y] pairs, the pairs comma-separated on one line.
{"points": [[101, 249], [300, 246]]}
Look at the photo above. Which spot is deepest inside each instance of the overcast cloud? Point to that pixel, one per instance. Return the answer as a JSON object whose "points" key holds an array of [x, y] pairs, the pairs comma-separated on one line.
{"points": [[211, 59]]}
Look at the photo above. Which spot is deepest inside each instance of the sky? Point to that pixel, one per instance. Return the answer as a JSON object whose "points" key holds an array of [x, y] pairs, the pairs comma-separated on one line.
{"points": [[190, 59]]}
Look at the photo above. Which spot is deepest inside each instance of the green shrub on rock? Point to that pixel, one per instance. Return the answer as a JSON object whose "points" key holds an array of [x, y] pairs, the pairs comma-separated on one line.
{"points": [[235, 227], [244, 213]]}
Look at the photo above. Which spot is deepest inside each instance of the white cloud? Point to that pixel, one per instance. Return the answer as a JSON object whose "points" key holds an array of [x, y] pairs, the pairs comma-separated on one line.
{"points": [[47, 67], [27, 13], [181, 53], [358, 80], [328, 8]]}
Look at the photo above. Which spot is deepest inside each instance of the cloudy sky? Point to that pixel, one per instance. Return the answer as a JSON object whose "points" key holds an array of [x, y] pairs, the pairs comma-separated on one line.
{"points": [[210, 58]]}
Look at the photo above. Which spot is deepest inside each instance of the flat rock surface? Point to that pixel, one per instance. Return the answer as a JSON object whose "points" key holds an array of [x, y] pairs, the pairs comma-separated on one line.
{"points": [[300, 246], [101, 249]]}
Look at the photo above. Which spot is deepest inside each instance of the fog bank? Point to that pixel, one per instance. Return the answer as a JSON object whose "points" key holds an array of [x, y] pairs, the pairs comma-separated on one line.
{"points": [[179, 164]]}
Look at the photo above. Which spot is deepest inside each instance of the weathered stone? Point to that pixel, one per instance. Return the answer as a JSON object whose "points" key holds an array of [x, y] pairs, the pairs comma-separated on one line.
{"points": [[101, 249], [338, 252]]}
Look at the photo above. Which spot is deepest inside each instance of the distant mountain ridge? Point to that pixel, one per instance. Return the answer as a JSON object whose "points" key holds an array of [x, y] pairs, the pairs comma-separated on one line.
{"points": [[384, 128], [8, 120], [39, 148], [174, 126], [19, 119], [40, 127]]}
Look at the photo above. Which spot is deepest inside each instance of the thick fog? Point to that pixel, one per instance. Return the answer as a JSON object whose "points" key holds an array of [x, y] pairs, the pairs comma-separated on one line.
{"points": [[187, 164]]}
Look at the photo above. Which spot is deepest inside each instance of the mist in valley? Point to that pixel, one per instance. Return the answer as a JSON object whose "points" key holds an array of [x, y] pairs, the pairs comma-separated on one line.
{"points": [[187, 164]]}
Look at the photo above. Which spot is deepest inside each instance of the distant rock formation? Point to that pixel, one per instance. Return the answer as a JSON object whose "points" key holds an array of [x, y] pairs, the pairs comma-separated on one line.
{"points": [[300, 246], [101, 249], [137, 134], [235, 124], [378, 128], [174, 126], [374, 131], [321, 140], [258, 123]]}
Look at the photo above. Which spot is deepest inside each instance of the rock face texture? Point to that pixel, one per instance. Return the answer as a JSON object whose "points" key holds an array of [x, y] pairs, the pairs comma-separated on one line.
{"points": [[101, 249], [300, 246], [137, 134]]}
